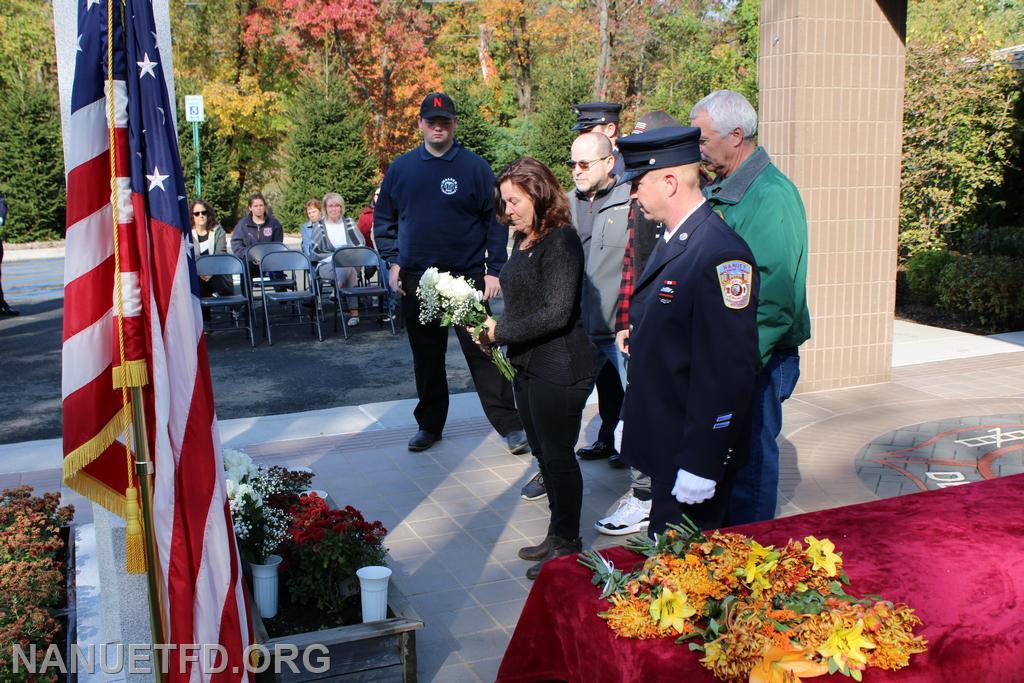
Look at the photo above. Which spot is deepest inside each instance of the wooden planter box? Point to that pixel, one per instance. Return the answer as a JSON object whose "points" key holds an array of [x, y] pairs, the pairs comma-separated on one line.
{"points": [[378, 651]]}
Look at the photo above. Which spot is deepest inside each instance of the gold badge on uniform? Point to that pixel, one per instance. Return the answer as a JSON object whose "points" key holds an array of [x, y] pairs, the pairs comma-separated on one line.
{"points": [[735, 277]]}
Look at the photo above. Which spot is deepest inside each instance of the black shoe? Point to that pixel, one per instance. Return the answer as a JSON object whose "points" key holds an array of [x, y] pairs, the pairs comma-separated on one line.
{"points": [[533, 553], [559, 548], [615, 461], [596, 451], [517, 442], [422, 440], [534, 489], [5, 309]]}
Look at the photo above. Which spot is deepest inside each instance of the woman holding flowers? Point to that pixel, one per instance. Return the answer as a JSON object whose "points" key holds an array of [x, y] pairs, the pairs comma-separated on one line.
{"points": [[547, 344]]}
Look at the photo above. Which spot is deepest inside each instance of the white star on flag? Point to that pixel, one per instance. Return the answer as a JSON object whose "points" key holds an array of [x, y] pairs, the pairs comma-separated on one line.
{"points": [[89, 4], [146, 66], [156, 179]]}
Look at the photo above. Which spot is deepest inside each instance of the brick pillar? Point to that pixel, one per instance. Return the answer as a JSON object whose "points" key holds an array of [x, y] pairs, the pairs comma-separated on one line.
{"points": [[831, 116]]}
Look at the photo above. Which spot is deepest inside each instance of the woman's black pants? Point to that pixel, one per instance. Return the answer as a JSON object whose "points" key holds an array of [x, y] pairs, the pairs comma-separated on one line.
{"points": [[551, 416]]}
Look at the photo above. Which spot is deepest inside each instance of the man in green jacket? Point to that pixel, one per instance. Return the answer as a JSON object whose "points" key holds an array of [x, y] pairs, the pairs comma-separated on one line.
{"points": [[764, 207]]}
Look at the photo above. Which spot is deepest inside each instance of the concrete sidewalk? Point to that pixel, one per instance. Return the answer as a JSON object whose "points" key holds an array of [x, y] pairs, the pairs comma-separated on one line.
{"points": [[456, 519]]}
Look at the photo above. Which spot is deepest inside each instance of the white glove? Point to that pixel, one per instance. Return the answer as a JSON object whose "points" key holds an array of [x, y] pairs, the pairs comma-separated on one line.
{"points": [[691, 489]]}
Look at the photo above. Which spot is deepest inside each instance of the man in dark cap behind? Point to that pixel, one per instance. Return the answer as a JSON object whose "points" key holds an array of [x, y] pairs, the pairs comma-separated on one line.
{"points": [[600, 117], [436, 209], [693, 340]]}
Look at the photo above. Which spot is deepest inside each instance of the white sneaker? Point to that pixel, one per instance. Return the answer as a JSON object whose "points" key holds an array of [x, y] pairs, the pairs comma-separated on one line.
{"points": [[630, 517], [353, 321]]}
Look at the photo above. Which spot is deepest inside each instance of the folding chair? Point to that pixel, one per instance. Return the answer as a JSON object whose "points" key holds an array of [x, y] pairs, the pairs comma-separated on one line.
{"points": [[366, 288], [294, 262], [227, 265], [277, 280]]}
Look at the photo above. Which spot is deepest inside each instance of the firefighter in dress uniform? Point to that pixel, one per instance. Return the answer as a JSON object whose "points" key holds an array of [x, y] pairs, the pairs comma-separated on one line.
{"points": [[693, 341]]}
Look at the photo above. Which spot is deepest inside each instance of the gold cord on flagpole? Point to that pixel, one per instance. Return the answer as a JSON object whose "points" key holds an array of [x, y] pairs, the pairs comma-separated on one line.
{"points": [[135, 552], [141, 549]]}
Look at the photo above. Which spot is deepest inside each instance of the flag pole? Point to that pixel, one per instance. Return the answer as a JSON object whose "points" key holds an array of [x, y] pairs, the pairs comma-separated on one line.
{"points": [[144, 474]]}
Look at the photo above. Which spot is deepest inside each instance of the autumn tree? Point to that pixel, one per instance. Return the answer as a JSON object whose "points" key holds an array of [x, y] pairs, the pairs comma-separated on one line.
{"points": [[243, 81], [381, 47]]}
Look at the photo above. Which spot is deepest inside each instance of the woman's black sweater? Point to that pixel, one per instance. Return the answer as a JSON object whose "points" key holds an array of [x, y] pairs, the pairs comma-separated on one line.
{"points": [[541, 286]]}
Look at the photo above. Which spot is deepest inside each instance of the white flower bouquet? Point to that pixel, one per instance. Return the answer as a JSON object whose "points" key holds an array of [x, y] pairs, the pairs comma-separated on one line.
{"points": [[259, 499], [455, 301]]}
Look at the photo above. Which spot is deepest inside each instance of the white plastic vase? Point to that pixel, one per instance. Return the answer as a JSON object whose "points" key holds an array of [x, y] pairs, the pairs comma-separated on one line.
{"points": [[264, 586], [373, 585]]}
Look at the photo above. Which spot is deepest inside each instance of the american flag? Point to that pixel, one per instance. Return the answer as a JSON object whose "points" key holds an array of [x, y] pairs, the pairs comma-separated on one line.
{"points": [[199, 569]]}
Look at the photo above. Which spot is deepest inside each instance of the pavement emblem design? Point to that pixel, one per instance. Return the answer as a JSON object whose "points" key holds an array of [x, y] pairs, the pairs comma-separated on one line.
{"points": [[936, 455]]}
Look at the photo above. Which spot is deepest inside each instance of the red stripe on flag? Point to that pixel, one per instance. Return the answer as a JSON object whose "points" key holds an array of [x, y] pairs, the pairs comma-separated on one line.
{"points": [[89, 182], [167, 246], [90, 296], [88, 410], [230, 631], [88, 189], [194, 485]]}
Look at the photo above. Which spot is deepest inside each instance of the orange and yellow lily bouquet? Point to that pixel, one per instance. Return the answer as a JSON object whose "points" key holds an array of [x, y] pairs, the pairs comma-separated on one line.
{"points": [[758, 613]]}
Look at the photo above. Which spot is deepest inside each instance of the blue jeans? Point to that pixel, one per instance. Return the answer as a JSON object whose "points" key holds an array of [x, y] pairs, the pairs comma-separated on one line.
{"points": [[755, 490]]}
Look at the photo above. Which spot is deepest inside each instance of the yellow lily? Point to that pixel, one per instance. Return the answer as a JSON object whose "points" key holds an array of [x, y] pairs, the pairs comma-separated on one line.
{"points": [[846, 645], [760, 561], [822, 555], [670, 610], [779, 665]]}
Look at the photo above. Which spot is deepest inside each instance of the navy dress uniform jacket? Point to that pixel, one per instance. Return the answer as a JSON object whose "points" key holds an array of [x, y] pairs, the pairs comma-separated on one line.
{"points": [[692, 353]]}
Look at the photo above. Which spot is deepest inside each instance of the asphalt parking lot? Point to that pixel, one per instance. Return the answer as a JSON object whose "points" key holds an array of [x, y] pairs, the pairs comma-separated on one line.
{"points": [[297, 373]]}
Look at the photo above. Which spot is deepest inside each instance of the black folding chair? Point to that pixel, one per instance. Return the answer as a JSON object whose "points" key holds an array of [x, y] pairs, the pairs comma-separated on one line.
{"points": [[277, 280], [227, 265], [294, 262], [367, 289]]}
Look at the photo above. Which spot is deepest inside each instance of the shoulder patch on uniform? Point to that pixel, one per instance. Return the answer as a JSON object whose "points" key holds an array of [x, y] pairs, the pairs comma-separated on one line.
{"points": [[735, 278]]}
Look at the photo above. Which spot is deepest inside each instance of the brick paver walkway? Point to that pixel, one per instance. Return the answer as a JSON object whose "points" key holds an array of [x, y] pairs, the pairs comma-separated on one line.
{"points": [[457, 520]]}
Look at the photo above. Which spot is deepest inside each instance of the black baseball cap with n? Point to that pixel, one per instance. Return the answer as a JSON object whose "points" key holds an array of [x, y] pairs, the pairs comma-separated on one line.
{"points": [[437, 105], [661, 148]]}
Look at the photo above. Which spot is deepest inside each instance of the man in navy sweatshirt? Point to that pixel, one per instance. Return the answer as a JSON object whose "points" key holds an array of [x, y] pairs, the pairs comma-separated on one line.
{"points": [[436, 209]]}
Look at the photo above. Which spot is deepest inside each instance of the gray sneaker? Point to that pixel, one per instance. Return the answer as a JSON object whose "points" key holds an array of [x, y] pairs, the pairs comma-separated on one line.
{"points": [[534, 489], [517, 442]]}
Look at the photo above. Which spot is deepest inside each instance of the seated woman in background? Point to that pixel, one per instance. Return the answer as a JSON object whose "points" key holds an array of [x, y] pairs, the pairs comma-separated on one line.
{"points": [[553, 357], [259, 225], [209, 238], [336, 230]]}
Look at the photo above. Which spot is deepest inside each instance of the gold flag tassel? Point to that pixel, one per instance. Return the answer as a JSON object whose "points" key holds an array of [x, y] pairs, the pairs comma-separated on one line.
{"points": [[136, 542]]}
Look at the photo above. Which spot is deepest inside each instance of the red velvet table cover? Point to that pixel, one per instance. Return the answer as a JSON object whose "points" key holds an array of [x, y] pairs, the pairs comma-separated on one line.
{"points": [[956, 555]]}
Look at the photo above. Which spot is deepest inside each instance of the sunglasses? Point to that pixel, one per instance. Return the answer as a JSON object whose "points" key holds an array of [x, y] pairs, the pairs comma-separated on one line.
{"points": [[198, 213], [584, 165]]}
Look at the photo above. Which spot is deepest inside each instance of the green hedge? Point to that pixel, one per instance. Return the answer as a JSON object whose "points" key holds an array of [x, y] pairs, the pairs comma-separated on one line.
{"points": [[32, 166], [984, 289], [923, 273]]}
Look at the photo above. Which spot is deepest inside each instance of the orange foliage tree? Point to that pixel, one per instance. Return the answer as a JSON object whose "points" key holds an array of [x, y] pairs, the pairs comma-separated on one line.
{"points": [[382, 48]]}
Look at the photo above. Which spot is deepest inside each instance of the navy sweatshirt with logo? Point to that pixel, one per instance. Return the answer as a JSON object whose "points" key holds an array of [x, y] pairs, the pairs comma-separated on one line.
{"points": [[439, 211]]}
